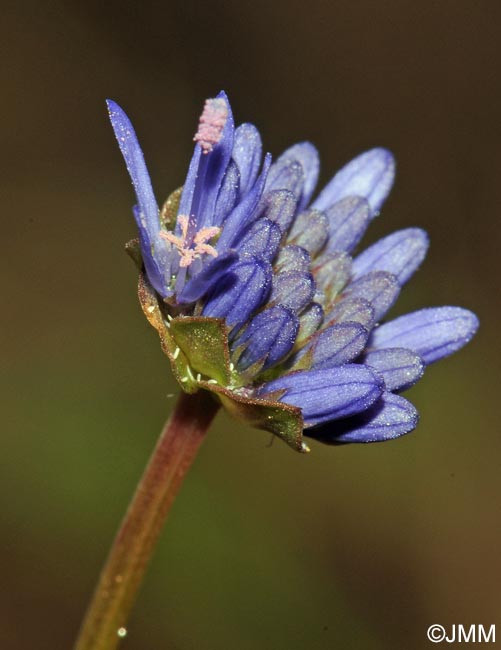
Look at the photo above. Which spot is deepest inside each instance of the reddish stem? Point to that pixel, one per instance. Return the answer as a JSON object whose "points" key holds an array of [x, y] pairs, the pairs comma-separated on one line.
{"points": [[106, 619]]}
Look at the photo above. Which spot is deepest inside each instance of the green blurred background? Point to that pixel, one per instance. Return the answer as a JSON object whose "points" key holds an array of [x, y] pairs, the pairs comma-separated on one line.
{"points": [[359, 546]]}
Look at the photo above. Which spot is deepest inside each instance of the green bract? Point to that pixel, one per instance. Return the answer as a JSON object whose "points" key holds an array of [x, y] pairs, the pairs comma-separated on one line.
{"points": [[198, 351]]}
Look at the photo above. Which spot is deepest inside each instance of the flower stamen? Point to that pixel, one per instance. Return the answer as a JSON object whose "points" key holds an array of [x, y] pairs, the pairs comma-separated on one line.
{"points": [[190, 251]]}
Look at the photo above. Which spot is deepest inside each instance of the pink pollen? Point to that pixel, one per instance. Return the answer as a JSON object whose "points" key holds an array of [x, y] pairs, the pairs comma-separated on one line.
{"points": [[211, 124], [198, 246]]}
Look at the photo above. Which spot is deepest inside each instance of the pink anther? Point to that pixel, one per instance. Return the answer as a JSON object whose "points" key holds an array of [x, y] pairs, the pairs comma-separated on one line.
{"points": [[211, 124], [190, 251]]}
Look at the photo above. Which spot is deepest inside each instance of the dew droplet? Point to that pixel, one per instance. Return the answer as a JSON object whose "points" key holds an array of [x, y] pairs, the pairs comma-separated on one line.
{"points": [[121, 632]]}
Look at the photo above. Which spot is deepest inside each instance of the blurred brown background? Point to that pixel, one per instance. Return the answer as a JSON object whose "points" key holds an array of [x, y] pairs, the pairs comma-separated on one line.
{"points": [[359, 546]]}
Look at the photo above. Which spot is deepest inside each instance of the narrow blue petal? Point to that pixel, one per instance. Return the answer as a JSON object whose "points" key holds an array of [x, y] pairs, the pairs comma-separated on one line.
{"points": [[380, 288], [399, 367], [432, 333], [279, 206], [370, 175], [390, 417], [217, 163], [328, 394], [307, 156], [332, 275], [357, 310], [268, 338], [206, 280], [261, 239], [247, 152], [337, 344], [190, 183], [244, 212], [205, 176], [286, 174], [228, 194], [156, 270], [348, 221], [156, 252], [240, 292], [293, 289], [310, 231], [293, 258], [157, 255], [309, 321], [400, 253], [134, 159]]}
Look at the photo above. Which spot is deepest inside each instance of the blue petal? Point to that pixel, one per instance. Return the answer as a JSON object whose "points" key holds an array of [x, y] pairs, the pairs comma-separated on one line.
{"points": [[244, 212], [228, 193], [307, 156], [399, 367], [205, 280], [390, 417], [399, 253], [240, 292], [157, 256], [348, 221], [310, 231], [328, 394], [247, 152], [279, 206], [262, 239], [432, 333], [309, 321], [357, 310], [134, 159], [186, 201], [337, 344], [154, 249], [369, 175], [332, 274], [293, 258], [269, 337], [286, 174], [293, 289], [380, 288], [205, 176]]}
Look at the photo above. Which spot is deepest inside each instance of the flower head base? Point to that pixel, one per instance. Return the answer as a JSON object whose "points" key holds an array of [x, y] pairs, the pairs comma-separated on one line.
{"points": [[257, 297]]}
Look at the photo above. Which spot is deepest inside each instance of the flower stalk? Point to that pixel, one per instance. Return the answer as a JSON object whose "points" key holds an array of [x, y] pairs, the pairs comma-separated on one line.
{"points": [[106, 620]]}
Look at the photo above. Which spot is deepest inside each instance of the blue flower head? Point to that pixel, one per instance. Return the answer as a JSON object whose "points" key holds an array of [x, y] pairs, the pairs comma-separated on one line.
{"points": [[258, 297]]}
